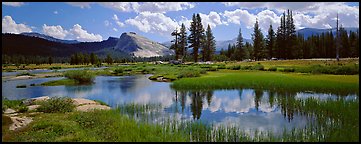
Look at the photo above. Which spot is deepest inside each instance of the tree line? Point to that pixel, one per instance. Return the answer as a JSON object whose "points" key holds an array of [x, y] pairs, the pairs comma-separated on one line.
{"points": [[282, 44]]}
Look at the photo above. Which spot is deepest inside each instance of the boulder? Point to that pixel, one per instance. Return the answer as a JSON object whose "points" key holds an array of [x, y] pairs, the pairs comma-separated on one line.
{"points": [[86, 108], [82, 101], [28, 102], [9, 111], [19, 122], [32, 107]]}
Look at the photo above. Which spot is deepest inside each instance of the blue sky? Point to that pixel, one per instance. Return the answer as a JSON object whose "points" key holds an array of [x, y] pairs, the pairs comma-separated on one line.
{"points": [[98, 21]]}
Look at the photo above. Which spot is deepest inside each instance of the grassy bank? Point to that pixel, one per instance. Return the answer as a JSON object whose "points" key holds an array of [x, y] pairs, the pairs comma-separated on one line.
{"points": [[59, 82], [228, 79]]}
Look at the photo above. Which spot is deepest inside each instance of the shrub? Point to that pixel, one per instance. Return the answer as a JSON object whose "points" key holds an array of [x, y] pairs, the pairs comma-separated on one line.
{"points": [[55, 67], [221, 66], [57, 105], [189, 73], [246, 68], [235, 67], [118, 70], [212, 69], [22, 109], [272, 69], [25, 73], [80, 76], [21, 86], [257, 67]]}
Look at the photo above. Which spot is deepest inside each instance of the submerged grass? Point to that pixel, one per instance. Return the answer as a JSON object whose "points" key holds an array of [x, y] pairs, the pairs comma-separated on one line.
{"points": [[59, 82], [226, 79]]}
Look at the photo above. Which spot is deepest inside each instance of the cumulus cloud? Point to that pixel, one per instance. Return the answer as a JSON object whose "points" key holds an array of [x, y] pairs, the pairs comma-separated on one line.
{"points": [[162, 7], [14, 4], [80, 4], [153, 23], [82, 35], [115, 29], [213, 19], [305, 14], [117, 21], [55, 31], [10, 26], [155, 7]]}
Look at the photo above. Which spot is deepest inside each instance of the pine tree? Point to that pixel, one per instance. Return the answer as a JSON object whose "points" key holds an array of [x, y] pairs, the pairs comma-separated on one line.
{"points": [[257, 38], [345, 46], [209, 45], [183, 41], [196, 35], [239, 46], [50, 60], [176, 46], [280, 39], [93, 58], [109, 59], [270, 41]]}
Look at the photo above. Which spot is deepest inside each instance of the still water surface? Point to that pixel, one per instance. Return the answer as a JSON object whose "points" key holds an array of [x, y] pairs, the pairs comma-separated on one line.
{"points": [[248, 109]]}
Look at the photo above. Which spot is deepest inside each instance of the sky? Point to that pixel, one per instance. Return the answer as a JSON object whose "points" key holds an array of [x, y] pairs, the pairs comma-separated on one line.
{"points": [[96, 21]]}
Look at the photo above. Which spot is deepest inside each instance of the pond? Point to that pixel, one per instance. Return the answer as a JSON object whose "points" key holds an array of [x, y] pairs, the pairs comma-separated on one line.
{"points": [[248, 109], [36, 71]]}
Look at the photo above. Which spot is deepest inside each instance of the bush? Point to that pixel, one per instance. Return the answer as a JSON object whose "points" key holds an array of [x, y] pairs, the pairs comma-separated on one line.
{"points": [[189, 73], [257, 67], [22, 109], [272, 69], [118, 70], [235, 67], [212, 69], [221, 67], [246, 68], [21, 86], [57, 105], [25, 73], [80, 76], [55, 67]]}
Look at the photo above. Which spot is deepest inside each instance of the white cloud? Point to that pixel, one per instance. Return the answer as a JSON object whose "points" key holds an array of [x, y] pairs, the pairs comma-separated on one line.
{"points": [[306, 14], [237, 16], [120, 6], [82, 35], [55, 12], [115, 29], [117, 21], [14, 4], [162, 7], [154, 7], [10, 26], [153, 23], [80, 4], [55, 31], [213, 19]]}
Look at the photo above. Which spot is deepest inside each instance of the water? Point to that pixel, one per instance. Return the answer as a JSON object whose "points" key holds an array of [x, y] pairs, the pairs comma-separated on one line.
{"points": [[36, 71], [248, 109]]}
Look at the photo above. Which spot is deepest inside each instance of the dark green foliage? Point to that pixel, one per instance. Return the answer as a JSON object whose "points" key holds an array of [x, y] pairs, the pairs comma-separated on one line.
{"points": [[57, 105], [234, 67], [212, 68], [272, 69], [25, 73], [246, 67], [21, 86], [221, 66], [55, 67], [118, 70], [257, 67], [334, 69], [258, 43], [80, 76]]}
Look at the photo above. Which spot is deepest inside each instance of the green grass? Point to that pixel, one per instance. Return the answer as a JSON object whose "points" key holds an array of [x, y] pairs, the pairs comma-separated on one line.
{"points": [[59, 82], [226, 79], [97, 126], [13, 104], [56, 105], [80, 76]]}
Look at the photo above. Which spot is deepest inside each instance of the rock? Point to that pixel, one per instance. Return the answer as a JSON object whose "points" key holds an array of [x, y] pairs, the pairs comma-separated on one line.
{"points": [[37, 99], [86, 108], [33, 107], [19, 122], [82, 101], [9, 111]]}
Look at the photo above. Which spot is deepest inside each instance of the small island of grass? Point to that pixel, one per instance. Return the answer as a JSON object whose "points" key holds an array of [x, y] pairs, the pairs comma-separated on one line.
{"points": [[73, 78]]}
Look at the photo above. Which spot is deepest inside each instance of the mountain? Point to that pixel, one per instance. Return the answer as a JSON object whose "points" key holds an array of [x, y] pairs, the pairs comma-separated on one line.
{"points": [[224, 44], [306, 32], [34, 34], [129, 44], [140, 46]]}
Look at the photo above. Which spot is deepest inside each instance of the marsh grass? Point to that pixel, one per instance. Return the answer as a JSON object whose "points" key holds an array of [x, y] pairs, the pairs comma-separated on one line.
{"points": [[80, 76], [56, 105], [342, 85], [59, 82]]}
